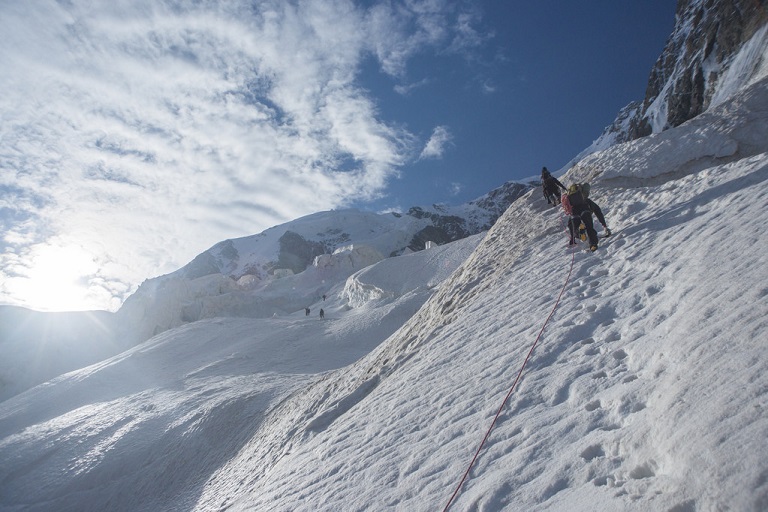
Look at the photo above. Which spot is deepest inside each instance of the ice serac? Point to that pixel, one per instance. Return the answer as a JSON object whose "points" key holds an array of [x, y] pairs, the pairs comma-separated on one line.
{"points": [[257, 276]]}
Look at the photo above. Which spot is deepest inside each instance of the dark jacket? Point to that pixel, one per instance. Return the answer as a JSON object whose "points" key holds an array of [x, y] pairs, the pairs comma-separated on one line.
{"points": [[581, 205], [551, 184]]}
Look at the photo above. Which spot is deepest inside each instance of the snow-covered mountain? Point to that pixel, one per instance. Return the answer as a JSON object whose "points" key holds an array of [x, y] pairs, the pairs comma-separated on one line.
{"points": [[277, 272], [288, 267], [717, 48], [647, 390], [643, 367]]}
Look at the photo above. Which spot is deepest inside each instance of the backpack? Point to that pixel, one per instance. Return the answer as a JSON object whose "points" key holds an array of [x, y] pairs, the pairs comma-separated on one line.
{"points": [[578, 194], [584, 188]]}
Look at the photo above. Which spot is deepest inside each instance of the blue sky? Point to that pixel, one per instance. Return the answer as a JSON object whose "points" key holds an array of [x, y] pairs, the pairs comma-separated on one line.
{"points": [[137, 133], [549, 77]]}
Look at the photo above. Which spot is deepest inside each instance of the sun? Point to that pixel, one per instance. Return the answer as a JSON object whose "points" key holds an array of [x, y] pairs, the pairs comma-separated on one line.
{"points": [[56, 278]]}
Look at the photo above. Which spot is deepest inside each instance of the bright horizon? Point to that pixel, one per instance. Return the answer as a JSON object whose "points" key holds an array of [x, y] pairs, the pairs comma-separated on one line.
{"points": [[138, 134]]}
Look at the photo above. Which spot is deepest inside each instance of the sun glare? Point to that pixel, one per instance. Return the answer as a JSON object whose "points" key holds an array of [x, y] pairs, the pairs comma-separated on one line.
{"points": [[57, 279]]}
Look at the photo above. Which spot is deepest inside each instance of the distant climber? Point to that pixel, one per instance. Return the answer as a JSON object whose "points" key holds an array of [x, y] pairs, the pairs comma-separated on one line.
{"points": [[322, 313], [323, 298], [306, 311], [551, 187], [580, 208]]}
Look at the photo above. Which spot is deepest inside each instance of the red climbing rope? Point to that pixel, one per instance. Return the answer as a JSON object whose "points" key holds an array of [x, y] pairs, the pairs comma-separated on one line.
{"points": [[514, 384]]}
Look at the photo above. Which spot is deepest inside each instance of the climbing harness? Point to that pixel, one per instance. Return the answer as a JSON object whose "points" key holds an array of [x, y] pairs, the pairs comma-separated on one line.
{"points": [[517, 379]]}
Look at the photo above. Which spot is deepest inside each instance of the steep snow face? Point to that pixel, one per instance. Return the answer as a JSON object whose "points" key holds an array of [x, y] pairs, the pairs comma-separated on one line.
{"points": [[647, 392], [749, 66], [139, 431]]}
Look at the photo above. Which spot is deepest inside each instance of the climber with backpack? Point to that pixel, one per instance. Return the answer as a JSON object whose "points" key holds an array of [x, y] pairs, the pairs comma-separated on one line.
{"points": [[551, 187], [580, 208]]}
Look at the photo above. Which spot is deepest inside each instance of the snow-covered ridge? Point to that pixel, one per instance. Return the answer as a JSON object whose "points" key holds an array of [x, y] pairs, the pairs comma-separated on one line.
{"points": [[295, 244], [647, 391], [717, 48], [287, 267], [736, 129]]}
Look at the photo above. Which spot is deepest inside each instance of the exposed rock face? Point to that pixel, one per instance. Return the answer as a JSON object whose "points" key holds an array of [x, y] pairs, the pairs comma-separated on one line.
{"points": [[699, 55], [206, 263], [498, 200], [629, 124], [449, 228], [297, 253], [444, 229], [707, 35]]}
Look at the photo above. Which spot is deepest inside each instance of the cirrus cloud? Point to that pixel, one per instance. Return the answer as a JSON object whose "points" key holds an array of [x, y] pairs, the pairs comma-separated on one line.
{"points": [[435, 147], [141, 132]]}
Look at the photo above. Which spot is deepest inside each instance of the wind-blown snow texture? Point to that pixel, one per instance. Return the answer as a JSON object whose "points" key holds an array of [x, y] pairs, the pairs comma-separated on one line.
{"points": [[647, 392]]}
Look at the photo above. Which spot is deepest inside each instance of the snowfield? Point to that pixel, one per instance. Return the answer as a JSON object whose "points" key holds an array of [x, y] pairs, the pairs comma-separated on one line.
{"points": [[648, 390]]}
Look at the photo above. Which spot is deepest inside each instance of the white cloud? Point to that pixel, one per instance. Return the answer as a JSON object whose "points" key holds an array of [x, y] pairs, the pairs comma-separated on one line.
{"points": [[437, 143], [406, 89], [142, 132], [488, 87]]}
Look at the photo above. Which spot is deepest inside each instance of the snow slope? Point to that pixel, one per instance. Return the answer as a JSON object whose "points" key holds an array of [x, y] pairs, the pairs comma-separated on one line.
{"points": [[245, 277], [648, 390], [142, 429]]}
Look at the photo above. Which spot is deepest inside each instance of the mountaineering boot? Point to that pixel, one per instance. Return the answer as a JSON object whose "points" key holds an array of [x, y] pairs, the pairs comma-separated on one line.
{"points": [[593, 248], [583, 232], [607, 232]]}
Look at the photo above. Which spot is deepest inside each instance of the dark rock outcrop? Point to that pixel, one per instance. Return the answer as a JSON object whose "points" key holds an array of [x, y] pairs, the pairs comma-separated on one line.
{"points": [[707, 35], [296, 252]]}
